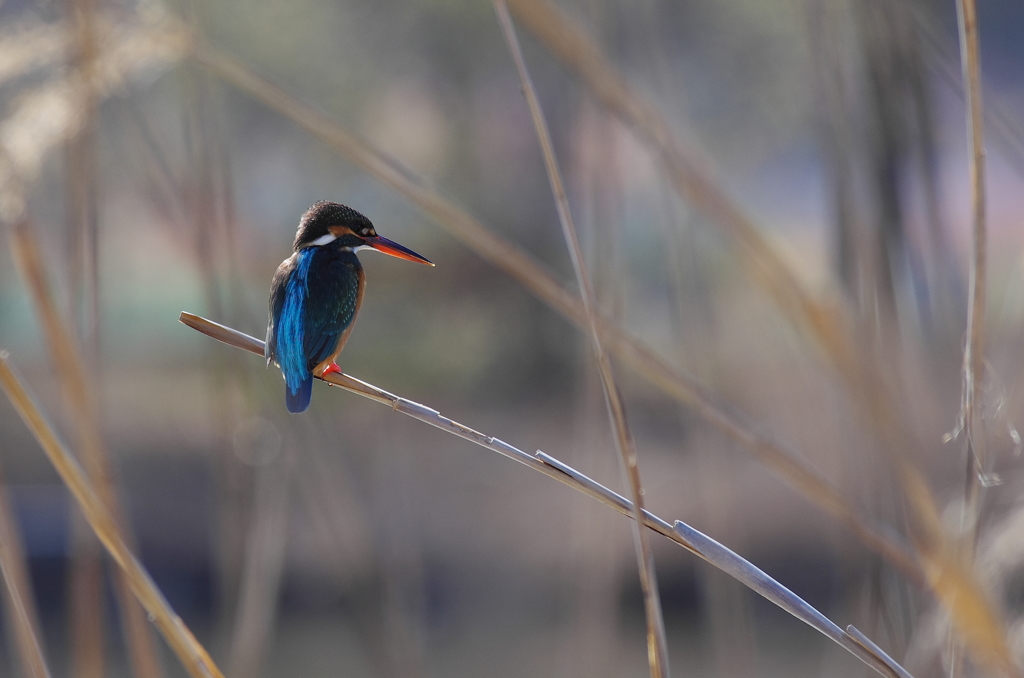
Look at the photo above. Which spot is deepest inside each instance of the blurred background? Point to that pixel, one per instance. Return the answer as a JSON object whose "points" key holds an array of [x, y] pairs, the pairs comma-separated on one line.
{"points": [[354, 541]]}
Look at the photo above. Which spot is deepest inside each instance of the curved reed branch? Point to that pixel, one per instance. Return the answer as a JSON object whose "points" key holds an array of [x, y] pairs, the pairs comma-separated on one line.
{"points": [[541, 283], [693, 541]]}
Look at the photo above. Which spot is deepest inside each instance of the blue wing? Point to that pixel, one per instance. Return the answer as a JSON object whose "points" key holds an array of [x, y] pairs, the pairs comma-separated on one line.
{"points": [[286, 328]]}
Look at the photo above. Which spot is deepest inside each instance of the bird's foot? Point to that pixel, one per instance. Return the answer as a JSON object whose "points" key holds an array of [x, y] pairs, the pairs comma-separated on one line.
{"points": [[333, 367]]}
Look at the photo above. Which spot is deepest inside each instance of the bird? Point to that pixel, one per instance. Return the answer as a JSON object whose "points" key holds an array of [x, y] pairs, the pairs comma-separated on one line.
{"points": [[316, 293]]}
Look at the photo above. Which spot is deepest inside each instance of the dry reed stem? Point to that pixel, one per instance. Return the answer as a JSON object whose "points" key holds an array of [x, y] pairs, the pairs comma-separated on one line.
{"points": [[752, 577], [657, 645], [192, 655], [871, 648], [87, 601], [21, 607], [973, 617], [63, 350], [537, 280], [693, 541], [974, 349], [999, 119]]}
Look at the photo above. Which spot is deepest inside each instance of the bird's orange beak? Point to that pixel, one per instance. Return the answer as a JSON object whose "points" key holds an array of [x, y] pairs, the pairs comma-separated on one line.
{"points": [[394, 249]]}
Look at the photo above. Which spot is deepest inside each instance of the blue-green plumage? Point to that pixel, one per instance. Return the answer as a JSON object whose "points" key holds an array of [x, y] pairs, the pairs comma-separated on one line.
{"points": [[313, 302], [316, 293]]}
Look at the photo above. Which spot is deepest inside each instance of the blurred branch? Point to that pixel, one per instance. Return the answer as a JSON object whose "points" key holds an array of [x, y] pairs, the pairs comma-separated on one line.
{"points": [[700, 545], [21, 607], [522, 268], [657, 646], [64, 350], [192, 655]]}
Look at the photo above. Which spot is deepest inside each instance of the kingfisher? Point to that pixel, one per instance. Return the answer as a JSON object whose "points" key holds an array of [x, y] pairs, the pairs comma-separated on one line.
{"points": [[316, 293]]}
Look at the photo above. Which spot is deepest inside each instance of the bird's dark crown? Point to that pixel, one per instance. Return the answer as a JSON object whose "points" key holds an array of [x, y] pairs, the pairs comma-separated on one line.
{"points": [[327, 218]]}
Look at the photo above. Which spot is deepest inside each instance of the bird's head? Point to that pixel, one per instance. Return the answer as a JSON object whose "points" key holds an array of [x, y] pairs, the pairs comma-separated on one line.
{"points": [[331, 223]]}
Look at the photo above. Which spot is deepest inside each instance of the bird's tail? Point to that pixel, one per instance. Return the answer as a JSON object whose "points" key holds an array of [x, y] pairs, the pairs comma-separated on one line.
{"points": [[298, 400]]}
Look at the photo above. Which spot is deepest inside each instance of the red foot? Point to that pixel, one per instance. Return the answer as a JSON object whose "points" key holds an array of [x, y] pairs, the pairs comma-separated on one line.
{"points": [[333, 367]]}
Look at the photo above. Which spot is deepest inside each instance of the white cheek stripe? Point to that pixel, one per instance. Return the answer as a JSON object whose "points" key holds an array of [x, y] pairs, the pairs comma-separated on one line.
{"points": [[323, 240]]}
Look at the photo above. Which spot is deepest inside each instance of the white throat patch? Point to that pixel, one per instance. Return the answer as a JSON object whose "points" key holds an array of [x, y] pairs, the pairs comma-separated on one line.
{"points": [[323, 240]]}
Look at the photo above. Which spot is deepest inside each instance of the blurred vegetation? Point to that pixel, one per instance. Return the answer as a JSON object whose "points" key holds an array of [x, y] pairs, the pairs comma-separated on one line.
{"points": [[352, 541]]}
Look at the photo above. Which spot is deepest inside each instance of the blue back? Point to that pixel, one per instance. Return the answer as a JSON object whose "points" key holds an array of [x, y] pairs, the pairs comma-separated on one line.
{"points": [[290, 330]]}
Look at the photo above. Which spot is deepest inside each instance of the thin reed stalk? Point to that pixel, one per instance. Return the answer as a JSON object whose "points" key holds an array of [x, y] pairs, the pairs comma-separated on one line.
{"points": [[657, 645], [1000, 119], [693, 541], [21, 614], [87, 602], [540, 282], [192, 655], [974, 349]]}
